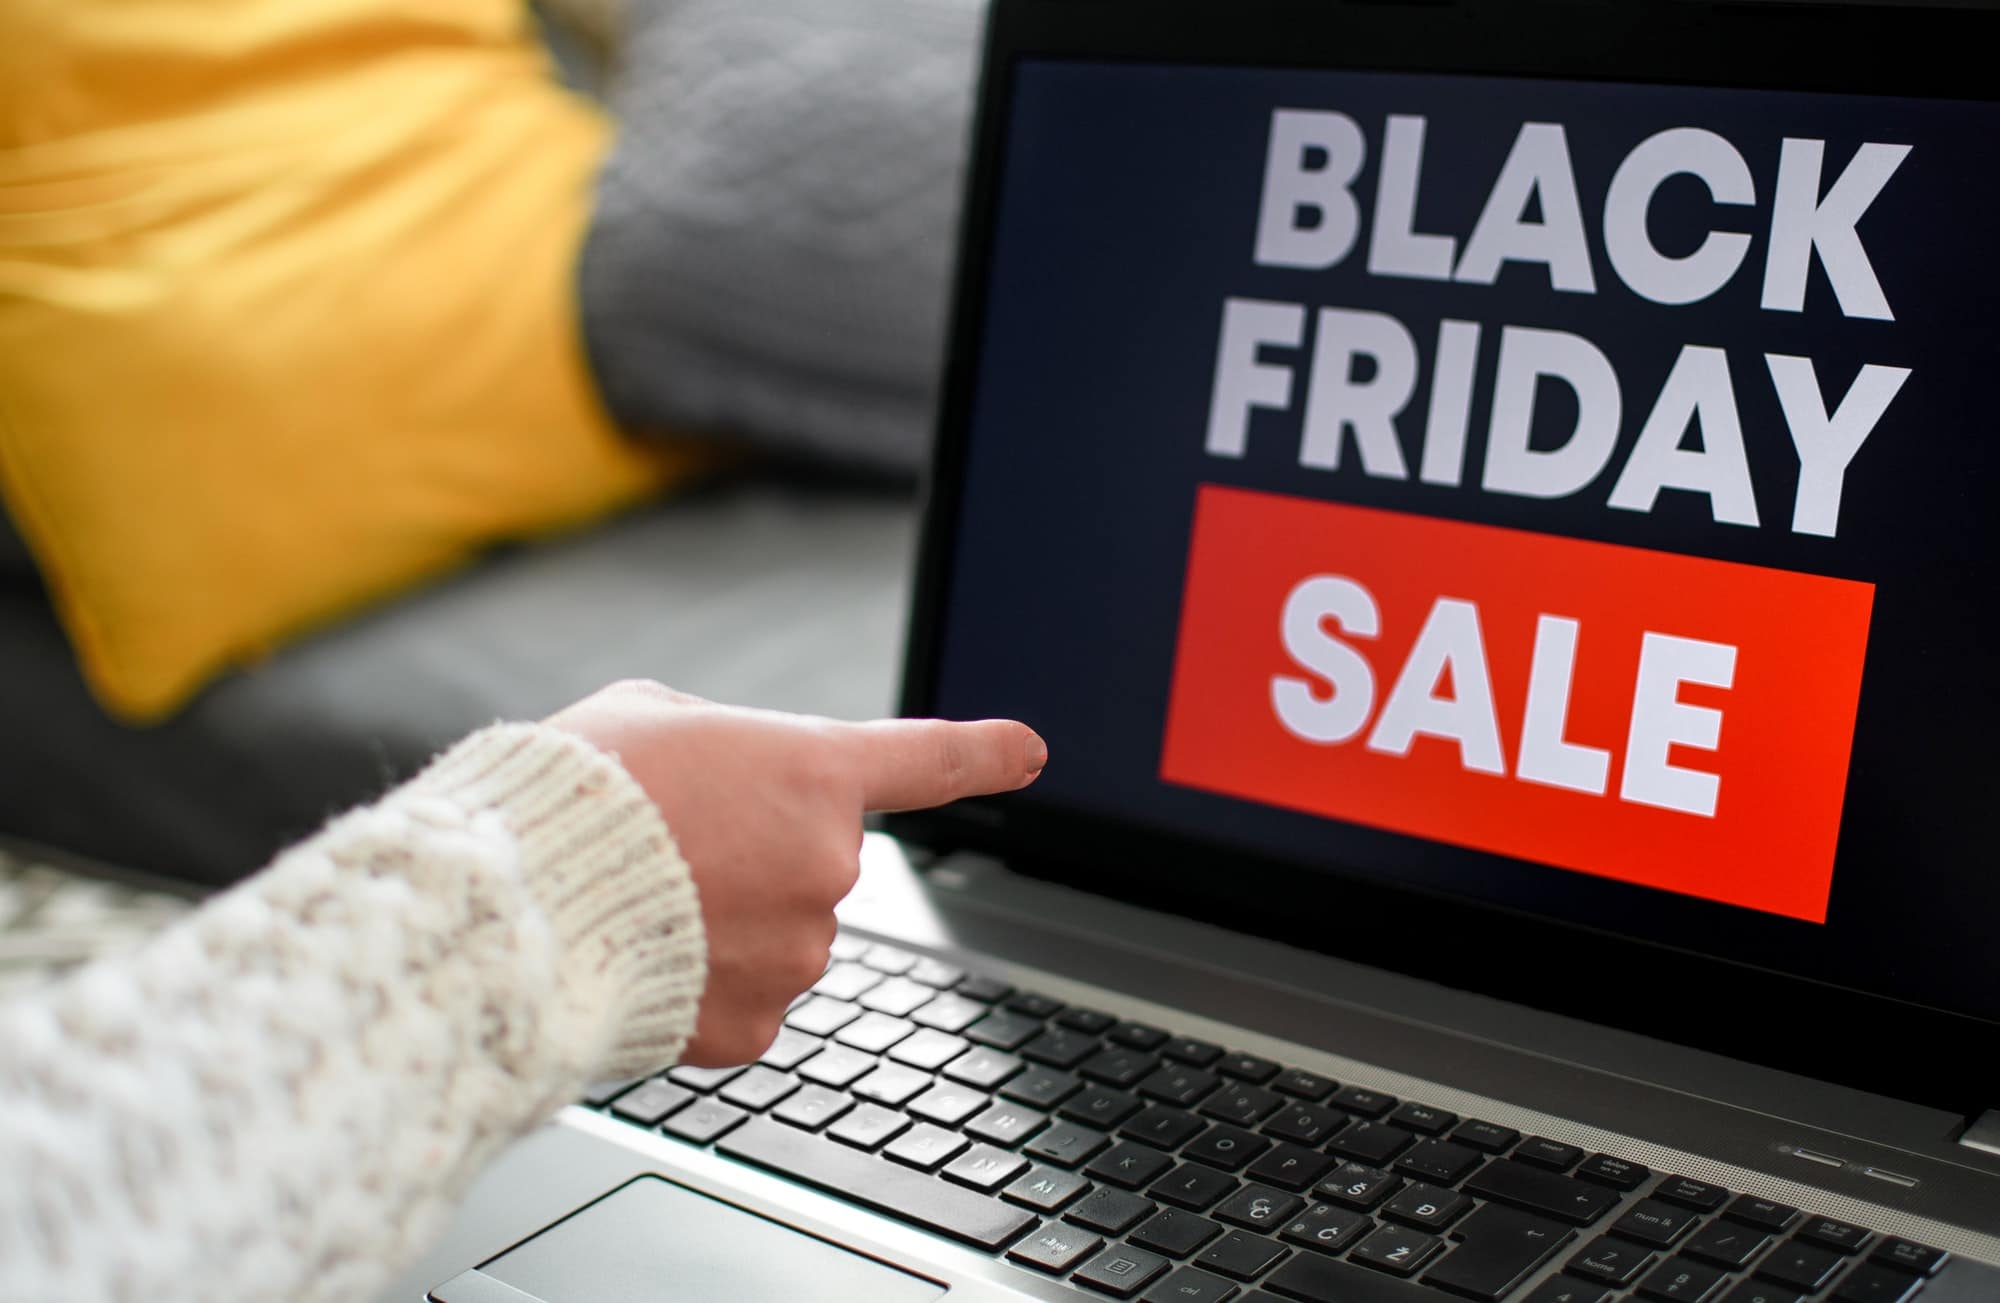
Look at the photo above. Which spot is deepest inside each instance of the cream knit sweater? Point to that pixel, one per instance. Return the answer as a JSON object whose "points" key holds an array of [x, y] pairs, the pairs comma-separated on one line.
{"points": [[283, 1096]]}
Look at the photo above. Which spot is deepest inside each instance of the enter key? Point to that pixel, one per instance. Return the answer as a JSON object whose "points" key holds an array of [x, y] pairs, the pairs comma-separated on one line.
{"points": [[1498, 1247]]}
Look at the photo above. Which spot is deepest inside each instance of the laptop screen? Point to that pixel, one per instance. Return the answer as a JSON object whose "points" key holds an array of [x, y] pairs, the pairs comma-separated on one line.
{"points": [[1573, 497]]}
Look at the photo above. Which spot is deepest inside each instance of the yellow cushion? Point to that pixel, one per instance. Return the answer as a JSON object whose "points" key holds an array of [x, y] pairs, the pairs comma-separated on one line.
{"points": [[287, 319]]}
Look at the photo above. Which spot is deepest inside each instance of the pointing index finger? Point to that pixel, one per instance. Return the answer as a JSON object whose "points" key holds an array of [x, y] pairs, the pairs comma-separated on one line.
{"points": [[913, 764]]}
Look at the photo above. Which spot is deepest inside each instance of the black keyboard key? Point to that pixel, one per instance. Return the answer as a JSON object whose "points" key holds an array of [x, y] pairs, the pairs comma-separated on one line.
{"points": [[888, 959], [837, 1066], [1309, 1086], [1088, 1021], [1423, 1118], [1178, 1083], [874, 1033], [1121, 1270], [1679, 1280], [986, 1068], [1439, 1161], [1291, 1166], [846, 981], [1044, 1088], [1241, 1255], [1100, 1106], [1006, 1124], [1803, 1266], [813, 1107], [1162, 1126], [1111, 1210], [936, 973], [1258, 1208], [704, 1120], [929, 1049], [984, 989], [1765, 1213], [650, 1104], [1496, 1249], [1910, 1256], [1189, 1285], [1241, 1103], [1871, 1282], [821, 1016], [1727, 1244], [1003, 1030], [600, 1093], [948, 1103], [1129, 1165], [1610, 1262], [892, 1084], [1059, 1047], [1552, 1154], [1375, 1143], [1306, 1124], [1654, 1223], [1246, 1067], [1045, 1189], [985, 1168], [1698, 1195], [704, 1080], [1763, 1291], [1174, 1232], [1226, 1147], [1119, 1066], [759, 1088], [1187, 1049], [1066, 1144], [1137, 1035], [951, 1012], [1428, 1207], [983, 1222], [1316, 1279], [1506, 1181], [1361, 1100], [1055, 1248], [1397, 1250], [1192, 1186], [868, 1126], [1326, 1227], [925, 1146], [1039, 1007], [1614, 1172], [1357, 1186], [1843, 1236], [1486, 1137], [1563, 1290]]}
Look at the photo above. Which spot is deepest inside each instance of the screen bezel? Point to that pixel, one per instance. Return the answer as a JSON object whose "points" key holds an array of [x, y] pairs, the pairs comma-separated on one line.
{"points": [[1889, 1046]]}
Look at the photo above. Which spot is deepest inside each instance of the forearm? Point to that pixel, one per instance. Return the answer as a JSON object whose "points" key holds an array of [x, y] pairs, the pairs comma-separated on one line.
{"points": [[283, 1095]]}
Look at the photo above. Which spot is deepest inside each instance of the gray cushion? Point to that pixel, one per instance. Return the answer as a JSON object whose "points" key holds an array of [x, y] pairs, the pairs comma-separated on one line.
{"points": [[773, 230], [790, 598]]}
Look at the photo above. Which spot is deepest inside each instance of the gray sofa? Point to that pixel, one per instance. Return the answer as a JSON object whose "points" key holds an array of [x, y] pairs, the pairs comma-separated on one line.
{"points": [[786, 593]]}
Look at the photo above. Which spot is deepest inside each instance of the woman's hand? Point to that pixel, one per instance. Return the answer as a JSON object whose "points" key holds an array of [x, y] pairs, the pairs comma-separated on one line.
{"points": [[766, 809]]}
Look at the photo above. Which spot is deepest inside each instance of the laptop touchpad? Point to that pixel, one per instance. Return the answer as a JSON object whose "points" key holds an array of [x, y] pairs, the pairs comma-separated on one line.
{"points": [[652, 1241]]}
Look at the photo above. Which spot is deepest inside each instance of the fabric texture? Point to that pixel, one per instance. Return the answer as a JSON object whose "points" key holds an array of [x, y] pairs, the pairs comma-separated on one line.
{"points": [[774, 226], [287, 315], [283, 1095]]}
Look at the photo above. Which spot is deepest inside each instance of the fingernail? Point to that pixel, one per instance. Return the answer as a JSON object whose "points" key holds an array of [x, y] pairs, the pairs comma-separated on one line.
{"points": [[1038, 752]]}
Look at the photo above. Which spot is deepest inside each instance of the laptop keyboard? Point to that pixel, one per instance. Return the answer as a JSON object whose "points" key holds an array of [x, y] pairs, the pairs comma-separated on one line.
{"points": [[1143, 1165]]}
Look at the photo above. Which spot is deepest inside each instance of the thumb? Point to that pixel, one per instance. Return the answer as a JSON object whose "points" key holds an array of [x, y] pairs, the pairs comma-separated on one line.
{"points": [[913, 764]]}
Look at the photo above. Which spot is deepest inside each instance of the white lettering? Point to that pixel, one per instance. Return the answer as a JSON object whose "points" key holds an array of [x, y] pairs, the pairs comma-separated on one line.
{"points": [[1803, 222], [1527, 355], [1241, 381], [1650, 273], [1544, 756], [1660, 720], [1338, 402], [1308, 216], [1340, 715], [1449, 641], [1827, 444], [1697, 389], [1537, 166], [1394, 247]]}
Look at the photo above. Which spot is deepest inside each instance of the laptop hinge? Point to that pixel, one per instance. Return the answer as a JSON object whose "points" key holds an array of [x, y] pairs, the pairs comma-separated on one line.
{"points": [[1984, 1133]]}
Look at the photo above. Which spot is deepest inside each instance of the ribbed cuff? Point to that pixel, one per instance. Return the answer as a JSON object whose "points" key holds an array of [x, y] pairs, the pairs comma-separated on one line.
{"points": [[597, 857]]}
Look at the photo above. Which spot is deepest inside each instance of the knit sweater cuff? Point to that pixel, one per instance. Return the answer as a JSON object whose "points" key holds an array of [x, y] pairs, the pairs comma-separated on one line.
{"points": [[599, 861]]}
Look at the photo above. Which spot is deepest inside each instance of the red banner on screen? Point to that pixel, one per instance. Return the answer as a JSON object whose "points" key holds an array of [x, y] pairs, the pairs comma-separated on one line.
{"points": [[1666, 720]]}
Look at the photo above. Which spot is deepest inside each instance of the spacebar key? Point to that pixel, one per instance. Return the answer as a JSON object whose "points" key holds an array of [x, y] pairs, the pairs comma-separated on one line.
{"points": [[926, 1200], [1318, 1279]]}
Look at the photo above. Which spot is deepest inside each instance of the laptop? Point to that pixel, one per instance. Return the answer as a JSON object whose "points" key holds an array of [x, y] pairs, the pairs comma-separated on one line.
{"points": [[1490, 505]]}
